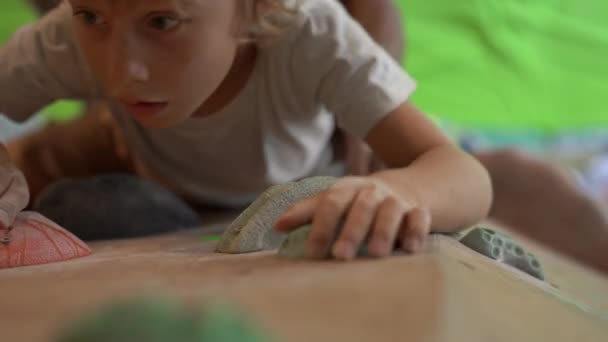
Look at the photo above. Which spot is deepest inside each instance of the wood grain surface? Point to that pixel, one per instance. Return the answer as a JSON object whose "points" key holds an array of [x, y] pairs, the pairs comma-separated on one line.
{"points": [[449, 293]]}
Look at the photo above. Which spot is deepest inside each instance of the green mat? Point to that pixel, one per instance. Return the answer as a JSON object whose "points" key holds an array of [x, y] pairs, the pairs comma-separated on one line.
{"points": [[515, 64]]}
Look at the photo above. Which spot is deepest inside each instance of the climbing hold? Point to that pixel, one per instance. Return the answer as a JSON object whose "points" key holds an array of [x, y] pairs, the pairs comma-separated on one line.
{"points": [[503, 249], [34, 240], [252, 230]]}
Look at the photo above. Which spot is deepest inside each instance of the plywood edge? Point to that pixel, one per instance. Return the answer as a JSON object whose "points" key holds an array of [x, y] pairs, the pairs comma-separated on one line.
{"points": [[485, 297]]}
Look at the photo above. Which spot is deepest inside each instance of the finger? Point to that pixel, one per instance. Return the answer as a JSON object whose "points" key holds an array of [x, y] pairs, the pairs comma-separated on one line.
{"points": [[330, 211], [302, 212], [358, 222], [415, 230], [14, 197], [386, 227], [298, 215], [15, 191]]}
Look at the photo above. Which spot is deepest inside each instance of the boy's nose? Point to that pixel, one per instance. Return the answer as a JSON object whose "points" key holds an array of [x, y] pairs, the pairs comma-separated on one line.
{"points": [[137, 71], [127, 62]]}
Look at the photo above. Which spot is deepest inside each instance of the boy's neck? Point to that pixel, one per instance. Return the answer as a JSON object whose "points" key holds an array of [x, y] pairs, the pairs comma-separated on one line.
{"points": [[231, 86]]}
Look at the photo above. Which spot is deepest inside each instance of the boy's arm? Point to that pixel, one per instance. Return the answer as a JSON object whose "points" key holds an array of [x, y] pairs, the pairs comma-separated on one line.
{"points": [[40, 64], [428, 170], [456, 187], [431, 185], [367, 91], [382, 21]]}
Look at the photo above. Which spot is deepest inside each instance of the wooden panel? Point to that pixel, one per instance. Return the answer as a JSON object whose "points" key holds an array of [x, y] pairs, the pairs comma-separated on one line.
{"points": [[447, 294]]}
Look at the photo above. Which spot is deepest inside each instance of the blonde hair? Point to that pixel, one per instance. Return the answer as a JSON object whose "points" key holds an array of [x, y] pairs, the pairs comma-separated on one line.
{"points": [[266, 19]]}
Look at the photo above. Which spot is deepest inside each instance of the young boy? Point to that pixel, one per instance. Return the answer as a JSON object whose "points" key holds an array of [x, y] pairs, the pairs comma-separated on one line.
{"points": [[221, 99]]}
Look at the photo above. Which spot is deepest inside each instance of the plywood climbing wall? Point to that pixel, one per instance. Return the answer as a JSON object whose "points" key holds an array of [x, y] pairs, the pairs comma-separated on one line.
{"points": [[449, 293]]}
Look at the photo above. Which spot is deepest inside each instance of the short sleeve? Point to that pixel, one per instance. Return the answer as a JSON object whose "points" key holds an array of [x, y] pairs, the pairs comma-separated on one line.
{"points": [[351, 75], [40, 64]]}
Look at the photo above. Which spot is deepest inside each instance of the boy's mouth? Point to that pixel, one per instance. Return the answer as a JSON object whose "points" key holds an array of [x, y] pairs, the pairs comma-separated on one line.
{"points": [[143, 109]]}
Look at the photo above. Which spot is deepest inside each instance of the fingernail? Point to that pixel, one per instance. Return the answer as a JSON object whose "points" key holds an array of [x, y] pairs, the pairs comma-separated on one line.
{"points": [[344, 250]]}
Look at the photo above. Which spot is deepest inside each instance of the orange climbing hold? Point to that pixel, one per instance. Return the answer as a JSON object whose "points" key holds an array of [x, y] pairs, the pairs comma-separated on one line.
{"points": [[34, 240]]}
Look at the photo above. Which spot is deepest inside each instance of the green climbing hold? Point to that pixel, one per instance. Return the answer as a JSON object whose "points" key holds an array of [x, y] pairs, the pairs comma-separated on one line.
{"points": [[162, 320]]}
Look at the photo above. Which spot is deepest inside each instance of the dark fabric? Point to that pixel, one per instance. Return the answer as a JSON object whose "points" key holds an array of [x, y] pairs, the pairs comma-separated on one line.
{"points": [[114, 206]]}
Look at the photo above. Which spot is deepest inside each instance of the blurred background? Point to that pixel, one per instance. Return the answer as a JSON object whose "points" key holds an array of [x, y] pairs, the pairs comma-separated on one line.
{"points": [[526, 73]]}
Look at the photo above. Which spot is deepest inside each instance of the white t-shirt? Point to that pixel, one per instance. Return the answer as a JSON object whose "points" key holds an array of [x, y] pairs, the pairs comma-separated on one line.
{"points": [[324, 69]]}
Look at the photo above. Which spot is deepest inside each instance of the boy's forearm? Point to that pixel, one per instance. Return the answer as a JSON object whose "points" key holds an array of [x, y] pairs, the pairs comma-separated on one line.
{"points": [[382, 20], [450, 183]]}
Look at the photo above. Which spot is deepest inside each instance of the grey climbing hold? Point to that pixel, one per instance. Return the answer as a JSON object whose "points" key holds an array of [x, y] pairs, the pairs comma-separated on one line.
{"points": [[295, 244], [252, 230], [503, 249], [114, 206]]}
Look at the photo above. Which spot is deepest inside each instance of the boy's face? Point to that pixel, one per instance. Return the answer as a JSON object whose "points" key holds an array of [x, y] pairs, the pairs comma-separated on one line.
{"points": [[161, 59]]}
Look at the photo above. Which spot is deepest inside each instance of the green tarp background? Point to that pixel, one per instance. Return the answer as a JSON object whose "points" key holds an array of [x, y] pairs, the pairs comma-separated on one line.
{"points": [[508, 64]]}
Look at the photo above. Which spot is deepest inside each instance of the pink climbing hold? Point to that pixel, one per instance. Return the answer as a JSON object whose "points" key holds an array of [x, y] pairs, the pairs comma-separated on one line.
{"points": [[35, 240]]}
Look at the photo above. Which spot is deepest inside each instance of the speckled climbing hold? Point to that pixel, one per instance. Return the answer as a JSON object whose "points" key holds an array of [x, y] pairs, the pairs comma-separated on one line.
{"points": [[115, 206], [503, 249], [294, 245], [34, 240], [252, 230], [162, 320]]}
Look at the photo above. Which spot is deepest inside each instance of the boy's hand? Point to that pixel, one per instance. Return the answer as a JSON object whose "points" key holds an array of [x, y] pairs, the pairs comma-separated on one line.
{"points": [[371, 211], [14, 193]]}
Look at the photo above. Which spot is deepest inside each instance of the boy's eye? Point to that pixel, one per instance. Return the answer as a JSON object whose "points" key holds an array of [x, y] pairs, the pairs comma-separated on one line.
{"points": [[164, 23], [90, 18]]}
